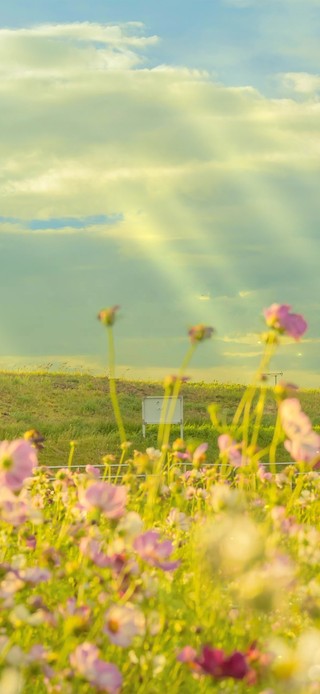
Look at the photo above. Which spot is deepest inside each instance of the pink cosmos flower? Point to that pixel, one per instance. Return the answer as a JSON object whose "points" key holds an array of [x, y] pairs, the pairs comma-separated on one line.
{"points": [[187, 655], [183, 455], [17, 461], [303, 443], [179, 519], [9, 586], [283, 388], [66, 476], [31, 541], [293, 420], [78, 616], [231, 449], [92, 548], [118, 562], [278, 316], [154, 552], [263, 475], [71, 608], [83, 658], [130, 525], [199, 333], [35, 575], [198, 456], [93, 471], [215, 663], [287, 524], [13, 510], [37, 653], [86, 662], [123, 623], [109, 498], [107, 677], [305, 448]]}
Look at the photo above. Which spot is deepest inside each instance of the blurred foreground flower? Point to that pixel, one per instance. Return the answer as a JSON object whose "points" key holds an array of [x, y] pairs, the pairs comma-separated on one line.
{"points": [[17, 461], [200, 332], [154, 552], [123, 623], [109, 498], [35, 438], [13, 510], [284, 389], [11, 681], [170, 381], [130, 525], [279, 318], [305, 449], [86, 662], [107, 316], [214, 662], [229, 546], [230, 449], [303, 442], [293, 420], [197, 457]]}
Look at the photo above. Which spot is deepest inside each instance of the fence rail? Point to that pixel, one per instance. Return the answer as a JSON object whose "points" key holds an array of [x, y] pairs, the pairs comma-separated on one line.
{"points": [[123, 467]]}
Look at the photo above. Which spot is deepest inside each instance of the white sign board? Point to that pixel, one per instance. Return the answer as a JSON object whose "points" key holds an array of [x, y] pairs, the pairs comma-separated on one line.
{"points": [[156, 409]]}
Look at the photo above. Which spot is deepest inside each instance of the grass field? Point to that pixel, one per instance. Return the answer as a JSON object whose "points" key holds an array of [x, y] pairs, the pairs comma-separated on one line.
{"points": [[187, 571], [77, 407]]}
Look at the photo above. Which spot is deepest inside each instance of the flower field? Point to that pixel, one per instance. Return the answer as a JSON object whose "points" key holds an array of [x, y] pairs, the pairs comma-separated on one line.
{"points": [[180, 570]]}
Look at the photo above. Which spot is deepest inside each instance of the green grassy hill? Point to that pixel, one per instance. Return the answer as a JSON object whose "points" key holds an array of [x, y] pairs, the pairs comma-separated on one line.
{"points": [[66, 407]]}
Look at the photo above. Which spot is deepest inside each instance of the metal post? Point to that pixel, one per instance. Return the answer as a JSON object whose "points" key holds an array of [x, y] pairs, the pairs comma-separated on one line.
{"points": [[275, 375]]}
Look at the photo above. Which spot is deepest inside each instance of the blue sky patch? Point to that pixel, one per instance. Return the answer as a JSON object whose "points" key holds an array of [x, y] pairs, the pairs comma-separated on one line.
{"points": [[63, 222]]}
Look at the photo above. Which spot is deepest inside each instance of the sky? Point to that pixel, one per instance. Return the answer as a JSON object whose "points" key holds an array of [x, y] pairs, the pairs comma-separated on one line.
{"points": [[164, 157]]}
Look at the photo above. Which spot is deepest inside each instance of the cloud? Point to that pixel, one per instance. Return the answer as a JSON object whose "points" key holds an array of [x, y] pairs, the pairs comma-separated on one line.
{"points": [[247, 339], [245, 293], [70, 49], [243, 4], [204, 297], [214, 188], [303, 83], [242, 355], [129, 33]]}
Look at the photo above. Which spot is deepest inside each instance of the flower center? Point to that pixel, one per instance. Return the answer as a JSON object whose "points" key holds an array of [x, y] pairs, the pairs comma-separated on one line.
{"points": [[6, 463], [113, 626]]}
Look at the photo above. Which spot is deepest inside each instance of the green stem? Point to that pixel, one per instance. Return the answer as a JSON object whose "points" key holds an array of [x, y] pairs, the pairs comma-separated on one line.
{"points": [[298, 488], [246, 419], [250, 392], [159, 466], [112, 386], [71, 453], [258, 419], [175, 394], [274, 444], [163, 414], [121, 461]]}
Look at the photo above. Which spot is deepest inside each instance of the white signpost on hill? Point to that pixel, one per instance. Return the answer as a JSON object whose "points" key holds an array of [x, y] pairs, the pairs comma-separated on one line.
{"points": [[155, 409]]}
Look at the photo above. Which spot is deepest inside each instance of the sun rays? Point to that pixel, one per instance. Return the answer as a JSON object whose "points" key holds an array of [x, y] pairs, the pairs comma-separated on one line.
{"points": [[211, 189]]}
